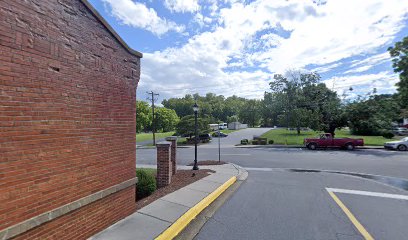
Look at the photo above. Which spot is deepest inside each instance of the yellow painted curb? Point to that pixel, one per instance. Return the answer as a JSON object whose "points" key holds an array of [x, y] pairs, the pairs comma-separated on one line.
{"points": [[188, 216]]}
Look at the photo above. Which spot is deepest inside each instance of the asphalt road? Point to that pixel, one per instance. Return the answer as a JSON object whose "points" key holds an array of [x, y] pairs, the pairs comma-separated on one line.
{"points": [[277, 203], [287, 205], [236, 137]]}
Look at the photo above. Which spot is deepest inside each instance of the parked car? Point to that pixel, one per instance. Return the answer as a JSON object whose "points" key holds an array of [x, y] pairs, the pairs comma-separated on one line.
{"points": [[401, 131], [204, 138], [215, 134], [401, 145], [326, 140]]}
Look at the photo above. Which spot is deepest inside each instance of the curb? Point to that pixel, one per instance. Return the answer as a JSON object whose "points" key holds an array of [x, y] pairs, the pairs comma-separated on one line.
{"points": [[172, 231], [300, 146]]}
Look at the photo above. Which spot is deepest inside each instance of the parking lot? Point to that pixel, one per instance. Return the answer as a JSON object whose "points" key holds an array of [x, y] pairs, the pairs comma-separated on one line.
{"points": [[281, 204], [295, 193]]}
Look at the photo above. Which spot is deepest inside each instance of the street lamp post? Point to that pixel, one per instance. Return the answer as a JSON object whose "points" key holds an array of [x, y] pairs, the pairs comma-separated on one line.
{"points": [[195, 108]]}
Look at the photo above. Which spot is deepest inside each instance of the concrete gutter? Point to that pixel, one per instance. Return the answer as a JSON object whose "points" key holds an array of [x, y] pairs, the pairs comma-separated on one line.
{"points": [[166, 217]]}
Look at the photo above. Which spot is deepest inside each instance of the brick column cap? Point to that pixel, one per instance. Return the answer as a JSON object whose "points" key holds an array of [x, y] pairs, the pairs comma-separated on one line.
{"points": [[172, 138], [163, 144]]}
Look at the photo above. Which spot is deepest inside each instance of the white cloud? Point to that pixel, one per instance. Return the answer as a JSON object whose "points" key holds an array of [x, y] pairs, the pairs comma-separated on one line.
{"points": [[326, 68], [368, 63], [383, 81], [340, 29], [182, 5], [247, 37], [138, 15], [359, 69]]}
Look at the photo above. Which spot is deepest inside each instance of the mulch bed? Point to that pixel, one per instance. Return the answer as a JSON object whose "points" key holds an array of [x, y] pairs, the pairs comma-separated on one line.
{"points": [[208, 162], [180, 180]]}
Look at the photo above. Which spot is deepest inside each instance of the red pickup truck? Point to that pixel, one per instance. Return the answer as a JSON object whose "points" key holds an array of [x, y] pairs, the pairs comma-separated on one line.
{"points": [[326, 140]]}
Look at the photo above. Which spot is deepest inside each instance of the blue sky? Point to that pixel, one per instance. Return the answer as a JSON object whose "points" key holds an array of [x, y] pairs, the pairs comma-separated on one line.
{"points": [[234, 47]]}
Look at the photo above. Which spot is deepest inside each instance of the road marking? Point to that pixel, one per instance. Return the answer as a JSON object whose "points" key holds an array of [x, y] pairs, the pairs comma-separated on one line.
{"points": [[352, 218], [365, 193], [259, 169], [236, 154]]}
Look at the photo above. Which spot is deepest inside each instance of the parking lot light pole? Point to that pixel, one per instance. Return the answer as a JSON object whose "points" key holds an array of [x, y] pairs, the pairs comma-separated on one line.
{"points": [[195, 108]]}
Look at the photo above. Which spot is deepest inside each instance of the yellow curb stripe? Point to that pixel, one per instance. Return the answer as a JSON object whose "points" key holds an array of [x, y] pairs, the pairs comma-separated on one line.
{"points": [[352, 218], [188, 216]]}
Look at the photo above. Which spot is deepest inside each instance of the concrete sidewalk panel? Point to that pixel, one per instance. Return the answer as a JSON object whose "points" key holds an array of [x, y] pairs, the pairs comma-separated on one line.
{"points": [[137, 226], [218, 178], [185, 196], [204, 186], [165, 210]]}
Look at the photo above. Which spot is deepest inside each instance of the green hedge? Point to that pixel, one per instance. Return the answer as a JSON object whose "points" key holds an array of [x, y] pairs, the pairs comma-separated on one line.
{"points": [[146, 184]]}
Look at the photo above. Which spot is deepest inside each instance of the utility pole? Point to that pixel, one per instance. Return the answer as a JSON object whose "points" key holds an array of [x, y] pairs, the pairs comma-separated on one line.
{"points": [[154, 118], [219, 143]]}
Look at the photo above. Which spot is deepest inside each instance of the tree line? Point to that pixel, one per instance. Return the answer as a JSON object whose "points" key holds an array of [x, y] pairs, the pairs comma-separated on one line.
{"points": [[296, 99]]}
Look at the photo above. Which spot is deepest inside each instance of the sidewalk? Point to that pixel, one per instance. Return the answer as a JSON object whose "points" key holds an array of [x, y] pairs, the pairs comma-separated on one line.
{"points": [[169, 215]]}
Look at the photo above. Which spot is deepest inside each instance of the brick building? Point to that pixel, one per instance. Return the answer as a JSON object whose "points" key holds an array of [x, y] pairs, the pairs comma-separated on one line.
{"points": [[67, 121]]}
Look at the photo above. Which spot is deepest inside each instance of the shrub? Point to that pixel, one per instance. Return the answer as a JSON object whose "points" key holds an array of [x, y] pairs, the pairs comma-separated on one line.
{"points": [[388, 135], [146, 184], [271, 141], [244, 141], [255, 142]]}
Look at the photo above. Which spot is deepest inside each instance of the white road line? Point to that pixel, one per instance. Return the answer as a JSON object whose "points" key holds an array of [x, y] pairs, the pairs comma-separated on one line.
{"points": [[365, 193], [259, 169], [235, 154]]}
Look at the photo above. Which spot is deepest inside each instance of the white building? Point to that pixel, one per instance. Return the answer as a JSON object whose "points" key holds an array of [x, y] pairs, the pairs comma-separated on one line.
{"points": [[237, 125]]}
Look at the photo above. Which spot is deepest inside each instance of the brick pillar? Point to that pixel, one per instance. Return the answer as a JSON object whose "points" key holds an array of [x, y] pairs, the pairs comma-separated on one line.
{"points": [[173, 156], [164, 167]]}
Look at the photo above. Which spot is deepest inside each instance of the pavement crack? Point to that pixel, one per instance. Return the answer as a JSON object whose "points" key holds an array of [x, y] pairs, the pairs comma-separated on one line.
{"points": [[155, 217]]}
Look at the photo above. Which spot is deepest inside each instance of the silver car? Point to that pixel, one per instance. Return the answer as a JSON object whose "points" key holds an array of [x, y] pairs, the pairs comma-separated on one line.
{"points": [[400, 131], [401, 145]]}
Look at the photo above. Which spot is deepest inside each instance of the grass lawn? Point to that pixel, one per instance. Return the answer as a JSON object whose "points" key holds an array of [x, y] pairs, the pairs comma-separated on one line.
{"points": [[283, 136], [141, 137], [228, 131]]}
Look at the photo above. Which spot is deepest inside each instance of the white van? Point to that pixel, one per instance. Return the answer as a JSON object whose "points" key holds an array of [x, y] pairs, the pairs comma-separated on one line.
{"points": [[223, 126]]}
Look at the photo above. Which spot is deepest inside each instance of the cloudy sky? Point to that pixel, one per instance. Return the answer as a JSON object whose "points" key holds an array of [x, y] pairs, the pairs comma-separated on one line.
{"points": [[235, 46]]}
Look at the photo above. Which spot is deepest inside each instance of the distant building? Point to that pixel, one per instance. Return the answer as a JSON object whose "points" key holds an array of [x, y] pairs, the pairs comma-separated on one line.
{"points": [[237, 125]]}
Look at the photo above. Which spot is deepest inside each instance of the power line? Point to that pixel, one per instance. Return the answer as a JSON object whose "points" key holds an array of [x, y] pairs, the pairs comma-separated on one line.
{"points": [[154, 118]]}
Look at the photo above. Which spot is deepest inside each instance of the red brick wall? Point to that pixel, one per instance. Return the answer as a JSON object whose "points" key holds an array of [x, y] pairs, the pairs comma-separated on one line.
{"points": [[67, 112], [164, 164], [87, 220]]}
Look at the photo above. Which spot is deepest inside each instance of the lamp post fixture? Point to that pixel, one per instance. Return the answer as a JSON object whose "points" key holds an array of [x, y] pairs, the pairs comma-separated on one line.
{"points": [[195, 108]]}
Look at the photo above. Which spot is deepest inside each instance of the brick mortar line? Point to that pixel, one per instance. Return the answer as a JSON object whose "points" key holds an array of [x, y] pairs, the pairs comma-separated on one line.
{"points": [[111, 30], [33, 222]]}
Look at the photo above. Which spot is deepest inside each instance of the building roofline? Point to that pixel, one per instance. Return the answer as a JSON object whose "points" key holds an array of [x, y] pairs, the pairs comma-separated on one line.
{"points": [[110, 29]]}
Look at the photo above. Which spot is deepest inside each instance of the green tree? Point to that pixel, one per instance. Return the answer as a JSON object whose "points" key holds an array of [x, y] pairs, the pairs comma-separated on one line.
{"points": [[182, 106], [251, 112], [374, 115], [272, 108], [166, 119], [143, 116], [327, 107], [293, 86], [216, 107], [233, 118], [186, 126], [400, 65]]}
